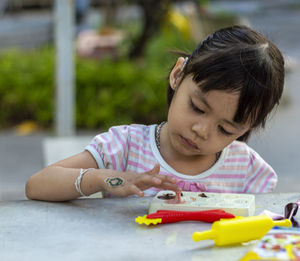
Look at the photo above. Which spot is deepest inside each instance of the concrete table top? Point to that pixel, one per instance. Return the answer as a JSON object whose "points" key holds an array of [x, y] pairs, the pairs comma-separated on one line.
{"points": [[104, 229]]}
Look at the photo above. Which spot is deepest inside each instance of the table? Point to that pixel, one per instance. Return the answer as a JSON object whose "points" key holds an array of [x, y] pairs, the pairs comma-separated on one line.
{"points": [[104, 229]]}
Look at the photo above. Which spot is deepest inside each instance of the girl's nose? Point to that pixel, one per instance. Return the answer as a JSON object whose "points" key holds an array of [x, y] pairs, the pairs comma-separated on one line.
{"points": [[202, 129]]}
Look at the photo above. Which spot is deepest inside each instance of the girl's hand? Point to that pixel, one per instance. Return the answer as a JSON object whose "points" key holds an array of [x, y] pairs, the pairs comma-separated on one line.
{"points": [[127, 183]]}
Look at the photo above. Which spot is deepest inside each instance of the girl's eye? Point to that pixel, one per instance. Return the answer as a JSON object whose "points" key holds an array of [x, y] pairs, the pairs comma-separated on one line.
{"points": [[195, 108], [225, 132]]}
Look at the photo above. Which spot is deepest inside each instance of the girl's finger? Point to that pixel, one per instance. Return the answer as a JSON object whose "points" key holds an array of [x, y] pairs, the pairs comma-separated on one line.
{"points": [[148, 181], [169, 186], [154, 181], [166, 178], [135, 190], [158, 181], [155, 170]]}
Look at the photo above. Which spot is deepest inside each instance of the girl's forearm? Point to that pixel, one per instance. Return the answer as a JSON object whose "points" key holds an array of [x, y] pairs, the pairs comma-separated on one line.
{"points": [[55, 183]]}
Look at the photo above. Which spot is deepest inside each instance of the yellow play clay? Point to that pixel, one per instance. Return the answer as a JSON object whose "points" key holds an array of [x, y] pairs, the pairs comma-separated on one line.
{"points": [[147, 221]]}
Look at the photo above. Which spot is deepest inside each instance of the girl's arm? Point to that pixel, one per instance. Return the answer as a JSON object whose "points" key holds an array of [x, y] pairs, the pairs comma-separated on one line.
{"points": [[56, 181]]}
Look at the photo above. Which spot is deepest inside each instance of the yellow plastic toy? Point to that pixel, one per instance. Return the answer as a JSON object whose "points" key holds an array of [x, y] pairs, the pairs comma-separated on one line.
{"points": [[240, 229], [148, 221]]}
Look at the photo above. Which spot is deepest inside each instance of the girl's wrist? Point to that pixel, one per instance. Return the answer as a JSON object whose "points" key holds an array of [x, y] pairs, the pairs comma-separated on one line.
{"points": [[91, 182], [79, 180], [101, 177]]}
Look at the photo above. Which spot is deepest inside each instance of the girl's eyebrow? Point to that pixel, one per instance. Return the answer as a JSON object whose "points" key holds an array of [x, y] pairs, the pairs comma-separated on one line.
{"points": [[200, 95]]}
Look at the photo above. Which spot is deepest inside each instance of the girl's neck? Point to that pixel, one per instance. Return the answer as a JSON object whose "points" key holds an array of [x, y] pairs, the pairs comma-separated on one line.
{"points": [[193, 166]]}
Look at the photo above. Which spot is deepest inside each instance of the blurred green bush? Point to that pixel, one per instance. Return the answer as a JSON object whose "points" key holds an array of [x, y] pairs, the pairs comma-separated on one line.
{"points": [[26, 87], [107, 92]]}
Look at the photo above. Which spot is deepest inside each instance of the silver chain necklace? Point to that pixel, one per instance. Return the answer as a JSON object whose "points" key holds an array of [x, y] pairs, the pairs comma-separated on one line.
{"points": [[157, 134]]}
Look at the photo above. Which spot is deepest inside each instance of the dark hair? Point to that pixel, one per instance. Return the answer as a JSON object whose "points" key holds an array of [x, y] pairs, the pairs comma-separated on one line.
{"points": [[239, 59]]}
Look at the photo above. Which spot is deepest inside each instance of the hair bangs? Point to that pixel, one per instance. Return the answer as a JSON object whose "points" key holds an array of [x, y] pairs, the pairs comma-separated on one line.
{"points": [[237, 70]]}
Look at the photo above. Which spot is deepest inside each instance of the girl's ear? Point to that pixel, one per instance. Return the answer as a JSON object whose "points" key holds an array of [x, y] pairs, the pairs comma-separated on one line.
{"points": [[175, 73]]}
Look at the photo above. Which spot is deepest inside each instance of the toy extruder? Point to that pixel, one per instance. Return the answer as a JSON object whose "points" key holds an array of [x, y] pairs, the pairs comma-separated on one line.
{"points": [[236, 204]]}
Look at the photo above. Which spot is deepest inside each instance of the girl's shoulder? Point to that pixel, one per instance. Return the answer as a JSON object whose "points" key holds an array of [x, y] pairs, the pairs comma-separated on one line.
{"points": [[130, 128], [137, 130], [132, 132], [239, 148], [260, 177]]}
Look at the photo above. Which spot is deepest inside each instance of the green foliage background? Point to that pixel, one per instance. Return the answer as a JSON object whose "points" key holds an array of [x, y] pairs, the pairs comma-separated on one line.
{"points": [[107, 92]]}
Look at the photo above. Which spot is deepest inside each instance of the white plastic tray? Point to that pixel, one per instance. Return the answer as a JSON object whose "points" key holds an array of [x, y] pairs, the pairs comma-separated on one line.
{"points": [[236, 204]]}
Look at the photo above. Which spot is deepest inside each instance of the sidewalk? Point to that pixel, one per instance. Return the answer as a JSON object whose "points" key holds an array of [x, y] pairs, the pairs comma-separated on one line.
{"points": [[279, 143]]}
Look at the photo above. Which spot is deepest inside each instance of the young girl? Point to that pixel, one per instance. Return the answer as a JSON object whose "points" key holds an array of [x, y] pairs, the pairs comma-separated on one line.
{"points": [[217, 95]]}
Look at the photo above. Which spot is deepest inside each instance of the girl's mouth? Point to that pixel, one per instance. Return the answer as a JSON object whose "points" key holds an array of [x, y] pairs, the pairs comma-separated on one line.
{"points": [[188, 143]]}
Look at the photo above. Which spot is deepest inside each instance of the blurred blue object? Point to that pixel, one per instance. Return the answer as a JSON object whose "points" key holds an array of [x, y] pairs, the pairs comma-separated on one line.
{"points": [[81, 12], [82, 6], [3, 5]]}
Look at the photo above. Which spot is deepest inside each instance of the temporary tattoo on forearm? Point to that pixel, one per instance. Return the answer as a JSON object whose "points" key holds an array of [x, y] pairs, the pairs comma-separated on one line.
{"points": [[114, 182]]}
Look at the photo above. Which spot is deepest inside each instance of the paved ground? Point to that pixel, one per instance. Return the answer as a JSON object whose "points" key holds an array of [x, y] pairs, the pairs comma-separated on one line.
{"points": [[20, 157]]}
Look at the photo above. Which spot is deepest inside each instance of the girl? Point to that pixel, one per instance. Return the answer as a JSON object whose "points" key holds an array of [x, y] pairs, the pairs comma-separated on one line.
{"points": [[217, 95]]}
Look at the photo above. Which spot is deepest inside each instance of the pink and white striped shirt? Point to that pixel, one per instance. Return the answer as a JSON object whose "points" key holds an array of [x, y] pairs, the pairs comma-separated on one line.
{"points": [[239, 168]]}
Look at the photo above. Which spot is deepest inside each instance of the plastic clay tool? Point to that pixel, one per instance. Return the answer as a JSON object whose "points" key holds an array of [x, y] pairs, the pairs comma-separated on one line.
{"points": [[239, 230], [171, 216]]}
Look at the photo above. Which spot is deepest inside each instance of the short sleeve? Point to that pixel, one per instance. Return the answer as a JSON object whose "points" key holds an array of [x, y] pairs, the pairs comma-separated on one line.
{"points": [[261, 177], [110, 149]]}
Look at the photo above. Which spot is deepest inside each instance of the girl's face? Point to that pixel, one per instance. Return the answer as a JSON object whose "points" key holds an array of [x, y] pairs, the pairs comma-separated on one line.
{"points": [[200, 123]]}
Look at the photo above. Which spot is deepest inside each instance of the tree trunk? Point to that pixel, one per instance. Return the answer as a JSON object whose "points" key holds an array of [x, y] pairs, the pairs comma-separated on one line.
{"points": [[154, 12]]}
